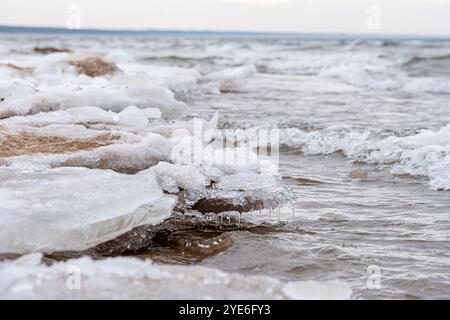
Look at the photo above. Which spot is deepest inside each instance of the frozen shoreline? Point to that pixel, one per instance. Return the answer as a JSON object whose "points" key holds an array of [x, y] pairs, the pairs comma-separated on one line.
{"points": [[88, 155], [364, 134]]}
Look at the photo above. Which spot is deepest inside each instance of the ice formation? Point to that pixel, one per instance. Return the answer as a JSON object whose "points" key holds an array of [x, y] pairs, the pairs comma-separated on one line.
{"points": [[215, 191], [28, 278], [89, 150], [116, 95], [74, 208]]}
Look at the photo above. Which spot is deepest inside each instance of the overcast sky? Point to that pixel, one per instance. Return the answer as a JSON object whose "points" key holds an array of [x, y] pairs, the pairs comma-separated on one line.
{"points": [[352, 16]]}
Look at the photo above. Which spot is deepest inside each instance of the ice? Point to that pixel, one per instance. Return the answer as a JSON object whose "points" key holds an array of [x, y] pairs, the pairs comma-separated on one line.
{"points": [[183, 176], [115, 97], [51, 63], [82, 114], [71, 131], [174, 78], [135, 116], [74, 208], [129, 116], [212, 190], [217, 186], [130, 278], [229, 80], [220, 182], [119, 57], [55, 85], [87, 155], [16, 87], [150, 94], [126, 158]]}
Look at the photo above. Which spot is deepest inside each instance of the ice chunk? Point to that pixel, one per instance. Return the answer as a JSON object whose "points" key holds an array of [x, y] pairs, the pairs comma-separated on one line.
{"points": [[117, 96], [16, 88], [131, 278], [229, 80], [88, 115], [74, 208], [138, 117], [51, 139], [174, 78], [212, 190], [51, 63], [125, 158]]}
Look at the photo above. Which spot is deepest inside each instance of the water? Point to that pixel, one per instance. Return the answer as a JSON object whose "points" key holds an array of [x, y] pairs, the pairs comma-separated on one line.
{"points": [[354, 214], [369, 179]]}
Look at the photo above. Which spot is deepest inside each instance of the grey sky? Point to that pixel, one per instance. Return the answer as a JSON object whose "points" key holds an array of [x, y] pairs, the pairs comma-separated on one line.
{"points": [[396, 16]]}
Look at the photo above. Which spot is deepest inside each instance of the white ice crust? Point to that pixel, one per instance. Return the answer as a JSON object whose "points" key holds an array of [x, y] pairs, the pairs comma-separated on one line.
{"points": [[28, 278], [74, 208]]}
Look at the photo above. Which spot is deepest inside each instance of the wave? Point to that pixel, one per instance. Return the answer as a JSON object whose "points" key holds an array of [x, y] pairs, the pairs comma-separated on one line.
{"points": [[428, 66], [425, 153], [416, 59]]}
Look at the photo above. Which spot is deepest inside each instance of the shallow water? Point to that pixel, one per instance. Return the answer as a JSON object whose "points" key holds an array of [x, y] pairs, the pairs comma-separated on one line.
{"points": [[363, 197], [352, 215]]}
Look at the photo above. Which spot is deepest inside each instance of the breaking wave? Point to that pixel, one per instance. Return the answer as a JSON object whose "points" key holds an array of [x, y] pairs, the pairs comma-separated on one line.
{"points": [[424, 153]]}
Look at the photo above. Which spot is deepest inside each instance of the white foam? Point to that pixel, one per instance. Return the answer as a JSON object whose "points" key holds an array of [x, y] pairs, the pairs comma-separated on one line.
{"points": [[426, 153]]}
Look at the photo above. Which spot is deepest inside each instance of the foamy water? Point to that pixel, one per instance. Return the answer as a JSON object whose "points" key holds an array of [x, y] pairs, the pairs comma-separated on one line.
{"points": [[365, 148]]}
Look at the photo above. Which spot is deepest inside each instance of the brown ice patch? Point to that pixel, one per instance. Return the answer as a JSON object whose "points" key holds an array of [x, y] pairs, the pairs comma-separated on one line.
{"points": [[218, 205], [94, 66], [26, 143]]}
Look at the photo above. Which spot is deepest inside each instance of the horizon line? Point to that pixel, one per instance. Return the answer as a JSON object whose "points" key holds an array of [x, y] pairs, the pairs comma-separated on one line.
{"points": [[294, 34]]}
